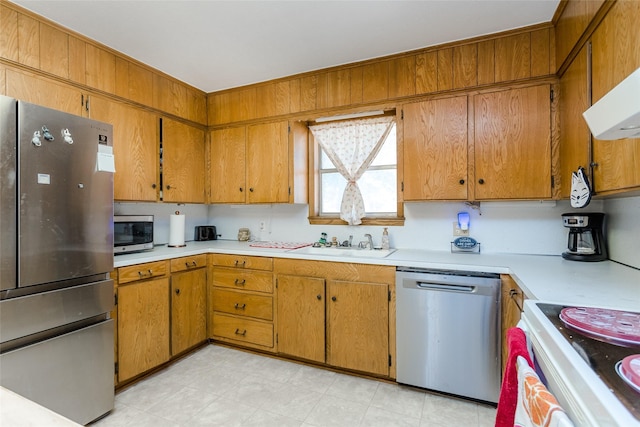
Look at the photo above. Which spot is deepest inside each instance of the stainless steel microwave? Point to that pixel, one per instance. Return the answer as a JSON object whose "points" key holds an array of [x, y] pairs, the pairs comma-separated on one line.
{"points": [[132, 233]]}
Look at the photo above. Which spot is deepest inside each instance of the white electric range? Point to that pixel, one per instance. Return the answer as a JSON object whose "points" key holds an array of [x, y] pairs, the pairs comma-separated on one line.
{"points": [[580, 370]]}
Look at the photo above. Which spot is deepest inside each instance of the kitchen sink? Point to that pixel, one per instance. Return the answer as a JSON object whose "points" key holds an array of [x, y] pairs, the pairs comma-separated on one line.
{"points": [[344, 252]]}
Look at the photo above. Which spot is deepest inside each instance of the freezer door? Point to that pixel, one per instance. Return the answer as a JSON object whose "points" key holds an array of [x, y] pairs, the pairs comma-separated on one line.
{"points": [[8, 237], [66, 204]]}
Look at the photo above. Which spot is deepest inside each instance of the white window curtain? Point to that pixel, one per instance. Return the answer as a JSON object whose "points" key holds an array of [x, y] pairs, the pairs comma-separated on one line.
{"points": [[352, 146]]}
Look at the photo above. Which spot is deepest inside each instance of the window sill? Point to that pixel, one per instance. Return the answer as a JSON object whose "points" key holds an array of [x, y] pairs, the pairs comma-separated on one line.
{"points": [[325, 220]]}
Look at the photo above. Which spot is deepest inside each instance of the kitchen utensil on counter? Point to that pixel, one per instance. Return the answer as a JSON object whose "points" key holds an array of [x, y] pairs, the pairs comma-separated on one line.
{"points": [[586, 236], [244, 234], [205, 232], [176, 230]]}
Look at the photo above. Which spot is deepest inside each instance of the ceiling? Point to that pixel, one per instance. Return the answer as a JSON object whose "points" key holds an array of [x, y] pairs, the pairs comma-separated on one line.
{"points": [[215, 45]]}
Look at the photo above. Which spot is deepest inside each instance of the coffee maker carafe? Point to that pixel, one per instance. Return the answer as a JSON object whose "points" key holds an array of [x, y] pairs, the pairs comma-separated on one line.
{"points": [[586, 240]]}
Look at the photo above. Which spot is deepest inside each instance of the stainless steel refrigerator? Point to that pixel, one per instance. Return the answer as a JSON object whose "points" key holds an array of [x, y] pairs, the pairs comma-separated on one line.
{"points": [[56, 252]]}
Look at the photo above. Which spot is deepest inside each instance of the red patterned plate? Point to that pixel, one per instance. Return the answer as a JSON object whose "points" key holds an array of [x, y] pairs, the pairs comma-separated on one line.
{"points": [[615, 326], [629, 370]]}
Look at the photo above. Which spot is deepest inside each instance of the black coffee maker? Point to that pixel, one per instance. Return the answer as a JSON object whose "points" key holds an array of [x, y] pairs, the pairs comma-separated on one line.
{"points": [[586, 240]]}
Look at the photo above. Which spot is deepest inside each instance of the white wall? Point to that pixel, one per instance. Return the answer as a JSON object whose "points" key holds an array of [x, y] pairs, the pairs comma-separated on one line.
{"points": [[514, 227], [623, 229]]}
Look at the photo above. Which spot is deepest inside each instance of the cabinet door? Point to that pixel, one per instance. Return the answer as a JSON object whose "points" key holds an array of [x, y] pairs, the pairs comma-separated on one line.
{"points": [[268, 163], [183, 162], [143, 326], [512, 300], [301, 315], [435, 149], [358, 326], [227, 165], [615, 56], [135, 148], [188, 309], [513, 144], [574, 132], [47, 93]]}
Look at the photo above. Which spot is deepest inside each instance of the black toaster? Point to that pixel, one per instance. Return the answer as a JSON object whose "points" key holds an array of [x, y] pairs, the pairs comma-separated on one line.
{"points": [[206, 232]]}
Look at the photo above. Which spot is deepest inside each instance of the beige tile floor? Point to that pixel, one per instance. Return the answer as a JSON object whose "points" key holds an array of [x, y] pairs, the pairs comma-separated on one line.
{"points": [[219, 386]]}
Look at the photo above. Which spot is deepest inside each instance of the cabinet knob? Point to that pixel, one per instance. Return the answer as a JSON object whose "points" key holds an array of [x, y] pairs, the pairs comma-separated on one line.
{"points": [[177, 291], [461, 181], [241, 189], [240, 264], [319, 297], [169, 187], [153, 186], [251, 189], [334, 299], [481, 181]]}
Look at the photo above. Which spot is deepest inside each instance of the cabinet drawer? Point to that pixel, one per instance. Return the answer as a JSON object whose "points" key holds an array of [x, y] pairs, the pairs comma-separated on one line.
{"points": [[142, 271], [243, 330], [242, 304], [243, 279], [242, 261], [188, 263]]}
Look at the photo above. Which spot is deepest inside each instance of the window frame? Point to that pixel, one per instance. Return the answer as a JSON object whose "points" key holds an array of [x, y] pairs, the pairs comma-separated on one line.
{"points": [[314, 189]]}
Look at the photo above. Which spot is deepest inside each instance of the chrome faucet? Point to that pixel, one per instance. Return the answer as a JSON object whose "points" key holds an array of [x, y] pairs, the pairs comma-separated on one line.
{"points": [[370, 242]]}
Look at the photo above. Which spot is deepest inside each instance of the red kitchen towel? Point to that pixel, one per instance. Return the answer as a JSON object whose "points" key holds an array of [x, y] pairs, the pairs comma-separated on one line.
{"points": [[517, 345]]}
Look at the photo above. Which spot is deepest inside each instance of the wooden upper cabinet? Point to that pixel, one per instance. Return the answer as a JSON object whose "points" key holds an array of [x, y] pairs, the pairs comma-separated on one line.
{"points": [[183, 162], [402, 77], [135, 148], [54, 51], [426, 72], [574, 133], [100, 69], [28, 41], [513, 57], [615, 56], [465, 66], [571, 24], [8, 33], [435, 149], [375, 81], [45, 92], [268, 163], [227, 165], [513, 144]]}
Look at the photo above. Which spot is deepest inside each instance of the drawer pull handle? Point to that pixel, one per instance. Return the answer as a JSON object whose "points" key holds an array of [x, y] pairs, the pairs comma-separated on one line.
{"points": [[239, 282], [243, 333], [239, 306], [190, 264], [241, 264], [143, 274]]}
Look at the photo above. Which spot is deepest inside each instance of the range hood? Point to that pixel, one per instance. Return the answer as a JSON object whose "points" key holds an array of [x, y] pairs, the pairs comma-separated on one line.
{"points": [[617, 114]]}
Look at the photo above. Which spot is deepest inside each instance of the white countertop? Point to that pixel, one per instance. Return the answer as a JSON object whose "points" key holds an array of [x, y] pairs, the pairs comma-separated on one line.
{"points": [[549, 278]]}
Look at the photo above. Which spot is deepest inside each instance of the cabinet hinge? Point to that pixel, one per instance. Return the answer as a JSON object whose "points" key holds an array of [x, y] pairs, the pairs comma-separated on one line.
{"points": [[389, 360], [276, 338], [288, 128], [553, 182], [115, 299], [276, 283], [402, 186], [289, 190], [552, 94], [116, 368], [389, 295], [401, 114]]}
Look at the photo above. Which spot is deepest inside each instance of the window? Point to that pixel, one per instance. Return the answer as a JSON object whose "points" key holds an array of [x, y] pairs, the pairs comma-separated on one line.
{"points": [[377, 184]]}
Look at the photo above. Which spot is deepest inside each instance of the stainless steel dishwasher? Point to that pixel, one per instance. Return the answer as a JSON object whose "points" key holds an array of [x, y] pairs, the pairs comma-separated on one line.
{"points": [[448, 331]]}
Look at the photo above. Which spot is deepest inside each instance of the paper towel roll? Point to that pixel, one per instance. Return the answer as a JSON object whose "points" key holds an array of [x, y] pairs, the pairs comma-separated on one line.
{"points": [[176, 230]]}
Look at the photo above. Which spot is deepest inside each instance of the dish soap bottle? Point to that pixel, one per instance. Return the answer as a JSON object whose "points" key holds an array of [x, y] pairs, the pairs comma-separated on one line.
{"points": [[385, 239]]}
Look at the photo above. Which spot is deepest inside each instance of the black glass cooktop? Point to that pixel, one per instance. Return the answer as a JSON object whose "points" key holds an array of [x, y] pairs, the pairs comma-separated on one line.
{"points": [[601, 357]]}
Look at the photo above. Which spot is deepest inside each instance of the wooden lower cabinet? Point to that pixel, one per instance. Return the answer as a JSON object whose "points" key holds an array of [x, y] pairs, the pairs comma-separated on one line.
{"points": [[337, 313], [143, 326], [188, 309], [512, 300], [241, 308]]}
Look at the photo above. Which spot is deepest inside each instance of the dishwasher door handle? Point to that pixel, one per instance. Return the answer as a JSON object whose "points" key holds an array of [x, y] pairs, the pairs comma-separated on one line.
{"points": [[440, 287]]}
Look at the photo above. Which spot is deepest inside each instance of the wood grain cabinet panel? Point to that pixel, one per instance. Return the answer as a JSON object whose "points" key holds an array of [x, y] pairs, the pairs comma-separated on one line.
{"points": [[242, 261], [143, 326], [8, 33], [615, 56], [100, 69], [227, 165], [511, 301], [513, 143], [571, 25], [338, 86], [183, 162], [137, 272], [77, 60], [28, 41], [465, 66], [243, 304], [45, 92], [54, 51], [301, 317], [435, 149], [574, 132], [426, 72], [486, 62], [513, 57], [268, 163], [135, 148], [188, 263], [445, 69], [541, 61], [402, 77], [248, 280], [188, 309], [242, 330], [375, 81]]}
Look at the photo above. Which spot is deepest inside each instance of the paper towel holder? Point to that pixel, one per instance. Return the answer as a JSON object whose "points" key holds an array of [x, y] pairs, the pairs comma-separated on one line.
{"points": [[176, 230]]}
